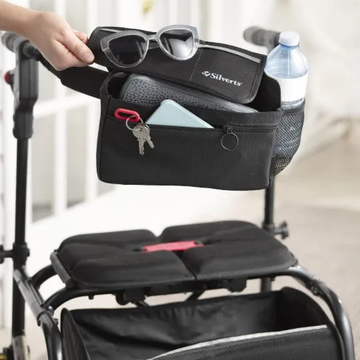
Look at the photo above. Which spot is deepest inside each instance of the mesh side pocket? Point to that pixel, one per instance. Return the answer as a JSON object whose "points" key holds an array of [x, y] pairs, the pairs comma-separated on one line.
{"points": [[73, 345], [287, 139]]}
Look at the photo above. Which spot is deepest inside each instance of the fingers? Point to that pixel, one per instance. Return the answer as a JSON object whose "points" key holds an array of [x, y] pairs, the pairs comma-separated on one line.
{"points": [[82, 36], [62, 58], [75, 43], [62, 46]]}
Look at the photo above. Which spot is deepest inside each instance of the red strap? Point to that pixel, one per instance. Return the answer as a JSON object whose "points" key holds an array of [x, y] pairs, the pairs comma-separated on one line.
{"points": [[173, 246]]}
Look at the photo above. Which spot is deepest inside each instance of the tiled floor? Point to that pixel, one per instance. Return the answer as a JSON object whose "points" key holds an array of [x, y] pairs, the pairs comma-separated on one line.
{"points": [[320, 199]]}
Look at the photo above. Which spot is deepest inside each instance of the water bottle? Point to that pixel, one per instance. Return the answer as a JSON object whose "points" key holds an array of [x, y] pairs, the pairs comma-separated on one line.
{"points": [[289, 67]]}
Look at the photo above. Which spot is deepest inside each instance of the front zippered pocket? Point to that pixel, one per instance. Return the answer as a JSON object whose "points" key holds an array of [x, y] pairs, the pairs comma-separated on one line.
{"points": [[229, 156], [229, 140]]}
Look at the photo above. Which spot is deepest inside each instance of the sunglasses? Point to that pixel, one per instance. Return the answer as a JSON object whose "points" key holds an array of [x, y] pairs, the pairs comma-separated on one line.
{"points": [[128, 48]]}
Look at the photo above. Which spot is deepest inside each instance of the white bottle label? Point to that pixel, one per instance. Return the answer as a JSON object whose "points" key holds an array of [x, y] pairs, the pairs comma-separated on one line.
{"points": [[292, 89]]}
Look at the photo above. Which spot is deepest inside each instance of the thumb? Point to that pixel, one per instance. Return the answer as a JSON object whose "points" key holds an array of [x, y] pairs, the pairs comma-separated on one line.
{"points": [[78, 48]]}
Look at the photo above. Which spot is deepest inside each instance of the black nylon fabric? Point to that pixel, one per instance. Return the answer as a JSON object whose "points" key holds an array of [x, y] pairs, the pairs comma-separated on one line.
{"points": [[190, 72], [214, 231], [142, 333], [232, 249], [186, 156], [306, 345], [73, 345], [287, 139]]}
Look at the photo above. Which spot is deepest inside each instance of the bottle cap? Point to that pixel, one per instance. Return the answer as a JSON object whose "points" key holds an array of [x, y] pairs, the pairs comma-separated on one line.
{"points": [[289, 38]]}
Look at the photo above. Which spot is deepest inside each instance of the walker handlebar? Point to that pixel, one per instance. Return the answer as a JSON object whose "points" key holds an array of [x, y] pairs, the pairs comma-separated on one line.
{"points": [[88, 80], [14, 42], [259, 36], [17, 43]]}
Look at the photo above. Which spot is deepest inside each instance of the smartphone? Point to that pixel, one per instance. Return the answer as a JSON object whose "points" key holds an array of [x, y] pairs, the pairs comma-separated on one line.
{"points": [[170, 113]]}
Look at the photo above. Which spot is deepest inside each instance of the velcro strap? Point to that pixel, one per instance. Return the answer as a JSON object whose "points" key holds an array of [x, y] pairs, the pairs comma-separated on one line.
{"points": [[86, 80], [172, 246]]}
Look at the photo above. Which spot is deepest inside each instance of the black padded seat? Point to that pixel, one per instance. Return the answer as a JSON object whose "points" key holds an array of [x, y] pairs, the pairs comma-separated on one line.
{"points": [[117, 260]]}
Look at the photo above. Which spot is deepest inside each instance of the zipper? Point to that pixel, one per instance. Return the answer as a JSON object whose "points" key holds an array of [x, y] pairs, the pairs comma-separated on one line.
{"points": [[229, 140], [222, 128]]}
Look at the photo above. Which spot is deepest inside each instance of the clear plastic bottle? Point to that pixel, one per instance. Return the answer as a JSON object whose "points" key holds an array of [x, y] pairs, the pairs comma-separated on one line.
{"points": [[289, 67]]}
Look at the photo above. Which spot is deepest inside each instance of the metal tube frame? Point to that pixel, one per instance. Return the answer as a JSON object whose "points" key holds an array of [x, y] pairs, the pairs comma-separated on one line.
{"points": [[18, 311], [43, 310], [42, 276], [320, 289], [43, 315], [268, 225]]}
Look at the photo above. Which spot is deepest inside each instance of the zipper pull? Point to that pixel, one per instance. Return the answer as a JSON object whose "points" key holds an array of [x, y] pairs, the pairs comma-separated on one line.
{"points": [[229, 140]]}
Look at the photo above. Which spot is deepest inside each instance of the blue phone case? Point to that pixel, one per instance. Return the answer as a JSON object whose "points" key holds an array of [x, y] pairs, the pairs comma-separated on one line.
{"points": [[170, 113]]}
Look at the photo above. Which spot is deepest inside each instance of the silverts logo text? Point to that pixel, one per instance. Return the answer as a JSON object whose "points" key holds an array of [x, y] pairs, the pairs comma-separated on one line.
{"points": [[219, 77]]}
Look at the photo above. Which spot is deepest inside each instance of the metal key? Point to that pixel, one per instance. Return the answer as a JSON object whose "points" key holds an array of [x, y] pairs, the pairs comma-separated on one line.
{"points": [[148, 137], [142, 133]]}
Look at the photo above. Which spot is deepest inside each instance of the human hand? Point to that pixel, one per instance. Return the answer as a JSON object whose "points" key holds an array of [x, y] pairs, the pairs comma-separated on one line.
{"points": [[62, 46]]}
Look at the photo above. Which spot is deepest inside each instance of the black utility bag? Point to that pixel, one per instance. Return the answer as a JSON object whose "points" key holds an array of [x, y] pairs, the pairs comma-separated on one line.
{"points": [[244, 151], [278, 325]]}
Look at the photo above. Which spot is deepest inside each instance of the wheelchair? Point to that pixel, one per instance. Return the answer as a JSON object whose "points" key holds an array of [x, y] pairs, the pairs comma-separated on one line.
{"points": [[191, 259]]}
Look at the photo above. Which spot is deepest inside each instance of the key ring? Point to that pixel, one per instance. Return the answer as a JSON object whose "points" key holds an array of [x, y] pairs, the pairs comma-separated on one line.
{"points": [[137, 121]]}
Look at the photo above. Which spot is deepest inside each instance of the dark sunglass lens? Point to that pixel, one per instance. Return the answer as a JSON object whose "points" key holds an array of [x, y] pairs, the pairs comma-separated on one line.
{"points": [[178, 43], [128, 50]]}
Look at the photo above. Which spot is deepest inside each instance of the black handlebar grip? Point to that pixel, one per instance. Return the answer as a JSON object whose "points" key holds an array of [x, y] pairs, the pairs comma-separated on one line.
{"points": [[259, 36], [14, 42], [31, 52], [9, 40]]}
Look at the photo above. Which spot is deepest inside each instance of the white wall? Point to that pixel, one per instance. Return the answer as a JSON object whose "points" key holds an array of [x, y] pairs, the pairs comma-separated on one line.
{"points": [[328, 29]]}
